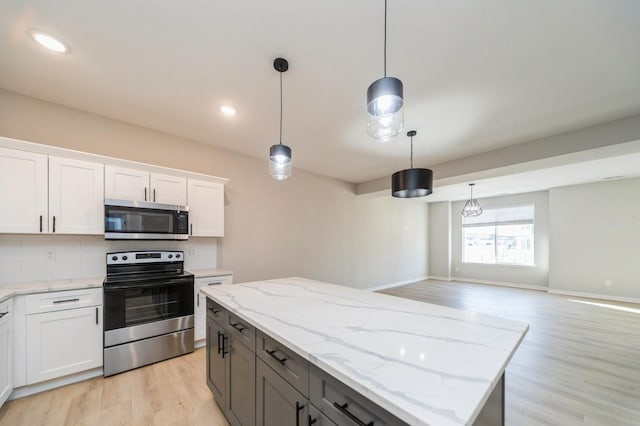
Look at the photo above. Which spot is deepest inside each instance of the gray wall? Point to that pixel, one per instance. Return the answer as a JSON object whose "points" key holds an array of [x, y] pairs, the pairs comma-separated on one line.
{"points": [[595, 236], [440, 240], [537, 276], [309, 225]]}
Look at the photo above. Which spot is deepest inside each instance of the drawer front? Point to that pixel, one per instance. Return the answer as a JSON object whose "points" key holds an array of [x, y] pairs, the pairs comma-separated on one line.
{"points": [[316, 418], [291, 366], [61, 300], [241, 331], [208, 281], [343, 405], [216, 312]]}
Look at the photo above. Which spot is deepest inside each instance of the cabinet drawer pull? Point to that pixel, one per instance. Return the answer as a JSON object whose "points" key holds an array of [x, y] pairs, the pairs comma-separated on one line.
{"points": [[343, 409], [274, 356], [310, 420], [216, 283], [214, 311], [66, 301], [238, 327], [299, 407]]}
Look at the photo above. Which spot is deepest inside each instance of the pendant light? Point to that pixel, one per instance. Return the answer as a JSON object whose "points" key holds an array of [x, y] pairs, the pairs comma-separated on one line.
{"points": [[280, 154], [471, 207], [384, 102], [412, 183]]}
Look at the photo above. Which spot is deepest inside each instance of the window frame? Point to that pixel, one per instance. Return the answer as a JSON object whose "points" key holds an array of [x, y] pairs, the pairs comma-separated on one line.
{"points": [[494, 225]]}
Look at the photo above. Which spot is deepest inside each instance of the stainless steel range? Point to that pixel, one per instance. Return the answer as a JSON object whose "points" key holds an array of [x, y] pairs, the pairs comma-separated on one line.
{"points": [[148, 309]]}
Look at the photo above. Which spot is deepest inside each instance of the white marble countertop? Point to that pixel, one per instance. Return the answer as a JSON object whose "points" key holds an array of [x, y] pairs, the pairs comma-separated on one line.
{"points": [[213, 272], [14, 289], [426, 364]]}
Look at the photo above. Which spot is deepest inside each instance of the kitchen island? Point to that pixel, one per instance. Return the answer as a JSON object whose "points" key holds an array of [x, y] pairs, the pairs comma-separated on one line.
{"points": [[352, 356]]}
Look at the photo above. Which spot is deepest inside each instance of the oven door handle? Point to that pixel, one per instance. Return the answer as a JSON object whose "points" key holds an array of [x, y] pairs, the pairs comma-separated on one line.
{"points": [[116, 287]]}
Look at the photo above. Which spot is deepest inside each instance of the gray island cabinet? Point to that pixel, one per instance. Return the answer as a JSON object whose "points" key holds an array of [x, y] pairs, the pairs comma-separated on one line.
{"points": [[300, 352]]}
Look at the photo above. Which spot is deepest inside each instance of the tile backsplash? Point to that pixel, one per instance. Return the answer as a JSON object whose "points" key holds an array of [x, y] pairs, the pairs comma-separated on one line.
{"points": [[55, 257]]}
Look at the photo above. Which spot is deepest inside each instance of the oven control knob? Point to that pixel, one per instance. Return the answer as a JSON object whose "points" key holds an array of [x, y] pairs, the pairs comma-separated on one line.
{"points": [[171, 256], [114, 258], [177, 256], [124, 257]]}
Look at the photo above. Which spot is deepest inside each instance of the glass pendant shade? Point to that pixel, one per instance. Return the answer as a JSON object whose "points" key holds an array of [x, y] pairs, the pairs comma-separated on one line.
{"points": [[280, 161], [412, 183], [471, 207], [384, 106]]}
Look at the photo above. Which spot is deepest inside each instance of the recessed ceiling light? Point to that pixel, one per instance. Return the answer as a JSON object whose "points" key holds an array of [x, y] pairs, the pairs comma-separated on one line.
{"points": [[48, 42], [228, 110]]}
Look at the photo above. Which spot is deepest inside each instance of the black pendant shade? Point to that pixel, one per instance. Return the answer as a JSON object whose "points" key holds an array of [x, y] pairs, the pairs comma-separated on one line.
{"points": [[413, 182]]}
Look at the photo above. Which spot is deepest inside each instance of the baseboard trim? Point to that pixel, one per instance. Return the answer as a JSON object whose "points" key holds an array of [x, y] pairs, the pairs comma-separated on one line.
{"points": [[396, 284], [439, 278], [595, 296], [55, 383], [500, 283]]}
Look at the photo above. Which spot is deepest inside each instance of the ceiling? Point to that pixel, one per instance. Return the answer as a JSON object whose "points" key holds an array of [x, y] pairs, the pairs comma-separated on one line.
{"points": [[477, 75]]}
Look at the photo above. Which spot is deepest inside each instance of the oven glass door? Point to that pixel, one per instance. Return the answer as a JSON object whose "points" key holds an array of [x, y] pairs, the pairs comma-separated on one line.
{"points": [[134, 220], [129, 305]]}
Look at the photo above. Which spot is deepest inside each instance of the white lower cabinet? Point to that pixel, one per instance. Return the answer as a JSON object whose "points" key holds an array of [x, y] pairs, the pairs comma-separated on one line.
{"points": [[6, 350], [200, 305], [64, 335]]}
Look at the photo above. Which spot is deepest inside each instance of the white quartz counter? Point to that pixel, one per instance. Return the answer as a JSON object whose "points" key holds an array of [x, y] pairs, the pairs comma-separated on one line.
{"points": [[426, 364], [10, 290], [213, 272]]}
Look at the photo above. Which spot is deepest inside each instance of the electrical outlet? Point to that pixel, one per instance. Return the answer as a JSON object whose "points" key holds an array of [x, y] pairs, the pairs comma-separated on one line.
{"points": [[608, 283]]}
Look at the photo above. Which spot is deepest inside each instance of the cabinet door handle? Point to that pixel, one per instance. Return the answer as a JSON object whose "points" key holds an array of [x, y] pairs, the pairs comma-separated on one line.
{"points": [[274, 356], [310, 420], [299, 407], [96, 315], [198, 299], [40, 223], [54, 224], [219, 344], [66, 301], [191, 229], [145, 193], [224, 339], [343, 409], [238, 326], [216, 283], [154, 195]]}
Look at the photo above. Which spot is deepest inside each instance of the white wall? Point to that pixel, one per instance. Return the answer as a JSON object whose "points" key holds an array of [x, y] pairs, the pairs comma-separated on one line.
{"points": [[440, 240], [537, 276], [309, 225], [595, 236]]}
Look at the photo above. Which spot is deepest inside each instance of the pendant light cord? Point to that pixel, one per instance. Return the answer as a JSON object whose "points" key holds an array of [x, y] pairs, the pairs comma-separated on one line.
{"points": [[385, 38], [412, 152], [280, 107]]}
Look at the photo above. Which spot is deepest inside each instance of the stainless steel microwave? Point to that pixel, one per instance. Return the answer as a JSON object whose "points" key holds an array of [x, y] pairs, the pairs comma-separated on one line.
{"points": [[138, 220]]}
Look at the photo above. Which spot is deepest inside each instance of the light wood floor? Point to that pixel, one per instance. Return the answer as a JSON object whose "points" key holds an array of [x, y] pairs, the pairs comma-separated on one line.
{"points": [[173, 392], [578, 365]]}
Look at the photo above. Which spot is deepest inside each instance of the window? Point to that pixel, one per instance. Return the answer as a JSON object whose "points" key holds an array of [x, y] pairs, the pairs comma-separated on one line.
{"points": [[499, 236]]}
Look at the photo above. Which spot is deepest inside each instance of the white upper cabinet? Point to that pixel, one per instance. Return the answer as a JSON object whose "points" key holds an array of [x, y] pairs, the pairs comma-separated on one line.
{"points": [[138, 185], [167, 189], [23, 191], [206, 208], [76, 196], [126, 184]]}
